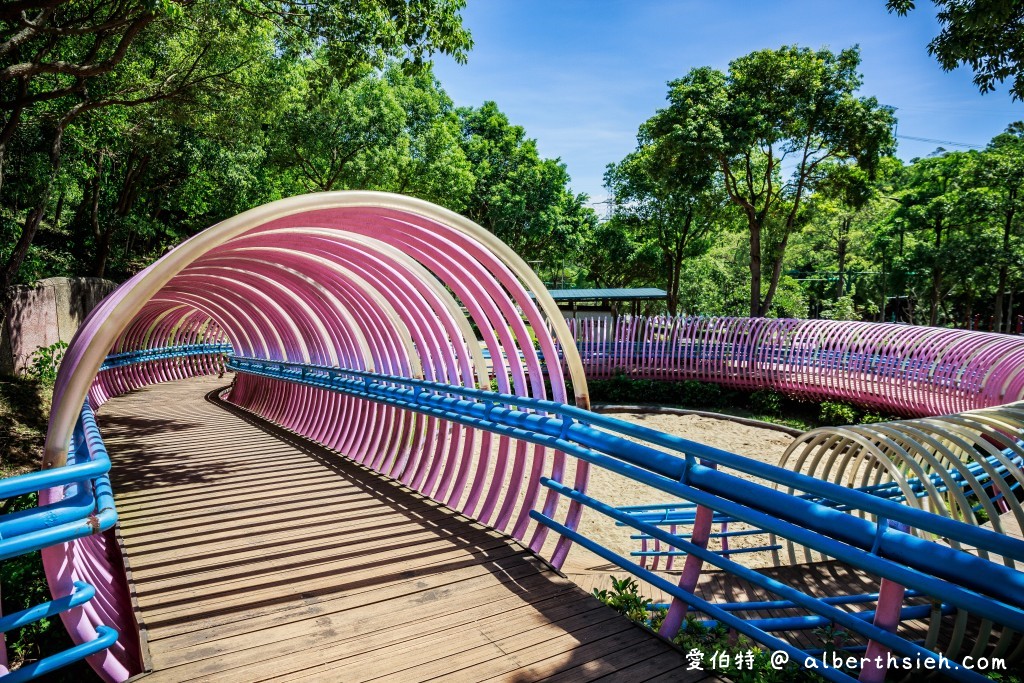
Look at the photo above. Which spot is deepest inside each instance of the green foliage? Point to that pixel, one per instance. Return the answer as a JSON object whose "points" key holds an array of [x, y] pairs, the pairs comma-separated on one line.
{"points": [[987, 35], [723, 124], [837, 413], [668, 206], [842, 308], [519, 196], [45, 362], [746, 661], [131, 129], [737, 657], [766, 401], [620, 389], [625, 598], [24, 406]]}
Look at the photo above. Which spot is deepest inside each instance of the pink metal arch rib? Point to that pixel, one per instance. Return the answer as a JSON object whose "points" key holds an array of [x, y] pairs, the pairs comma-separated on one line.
{"points": [[911, 371], [362, 280]]}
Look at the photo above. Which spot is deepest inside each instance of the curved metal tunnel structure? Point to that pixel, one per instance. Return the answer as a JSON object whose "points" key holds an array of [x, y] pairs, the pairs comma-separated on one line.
{"points": [[365, 281], [415, 343], [959, 457]]}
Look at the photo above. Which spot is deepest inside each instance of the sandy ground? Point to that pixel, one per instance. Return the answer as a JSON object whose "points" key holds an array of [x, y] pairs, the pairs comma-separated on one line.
{"points": [[765, 445]]}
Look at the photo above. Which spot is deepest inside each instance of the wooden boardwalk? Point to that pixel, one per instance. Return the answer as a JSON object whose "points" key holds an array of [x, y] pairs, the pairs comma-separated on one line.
{"points": [[256, 555]]}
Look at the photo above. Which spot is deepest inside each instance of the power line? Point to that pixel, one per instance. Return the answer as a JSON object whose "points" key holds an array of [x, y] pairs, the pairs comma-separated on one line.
{"points": [[940, 142]]}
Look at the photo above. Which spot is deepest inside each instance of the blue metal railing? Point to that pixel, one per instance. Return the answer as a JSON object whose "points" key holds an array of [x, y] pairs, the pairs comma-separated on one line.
{"points": [[958, 579], [676, 514], [117, 360], [87, 508]]}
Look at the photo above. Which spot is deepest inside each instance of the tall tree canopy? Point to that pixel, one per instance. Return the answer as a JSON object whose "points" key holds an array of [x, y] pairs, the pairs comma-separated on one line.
{"points": [[519, 196], [669, 205], [987, 35], [786, 112], [67, 63]]}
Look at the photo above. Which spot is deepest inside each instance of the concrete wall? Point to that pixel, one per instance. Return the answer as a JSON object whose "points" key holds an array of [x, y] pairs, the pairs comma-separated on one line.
{"points": [[45, 313]]}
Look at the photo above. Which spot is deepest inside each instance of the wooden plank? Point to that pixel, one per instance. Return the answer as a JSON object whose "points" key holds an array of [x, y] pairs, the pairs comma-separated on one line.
{"points": [[369, 630], [664, 666], [325, 577], [431, 596], [320, 569], [583, 662], [439, 653]]}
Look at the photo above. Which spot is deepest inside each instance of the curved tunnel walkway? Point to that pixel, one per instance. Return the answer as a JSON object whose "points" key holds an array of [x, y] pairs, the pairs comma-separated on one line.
{"points": [[291, 580]]}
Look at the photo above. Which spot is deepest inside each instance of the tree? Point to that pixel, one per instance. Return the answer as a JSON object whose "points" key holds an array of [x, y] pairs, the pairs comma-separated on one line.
{"points": [[665, 201], [1002, 176], [791, 108], [987, 35], [520, 197], [614, 257], [61, 61], [395, 132], [935, 205]]}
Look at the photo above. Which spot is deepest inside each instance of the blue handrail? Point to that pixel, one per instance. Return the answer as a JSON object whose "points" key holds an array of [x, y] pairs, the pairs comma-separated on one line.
{"points": [[982, 587], [87, 508], [545, 419], [116, 360]]}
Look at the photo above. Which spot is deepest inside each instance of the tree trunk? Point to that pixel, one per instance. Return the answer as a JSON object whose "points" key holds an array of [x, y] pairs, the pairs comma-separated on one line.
{"points": [[1009, 314], [1003, 265], [9, 272], [936, 292], [773, 285], [755, 270], [841, 246], [673, 251], [935, 296]]}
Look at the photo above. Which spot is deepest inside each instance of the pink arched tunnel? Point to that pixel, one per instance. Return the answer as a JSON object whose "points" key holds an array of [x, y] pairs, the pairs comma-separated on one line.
{"points": [[357, 280]]}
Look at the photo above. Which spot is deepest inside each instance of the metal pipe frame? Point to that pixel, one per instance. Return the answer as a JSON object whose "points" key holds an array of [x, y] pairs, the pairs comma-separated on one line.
{"points": [[376, 324], [907, 370], [366, 280]]}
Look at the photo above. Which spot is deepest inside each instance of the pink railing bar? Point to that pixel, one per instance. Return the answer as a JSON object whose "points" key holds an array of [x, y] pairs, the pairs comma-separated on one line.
{"points": [[366, 281], [906, 370]]}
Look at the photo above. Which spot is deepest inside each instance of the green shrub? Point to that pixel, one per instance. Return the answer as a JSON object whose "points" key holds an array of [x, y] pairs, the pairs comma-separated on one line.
{"points": [[625, 598], [739, 658], [45, 361], [836, 413], [766, 402]]}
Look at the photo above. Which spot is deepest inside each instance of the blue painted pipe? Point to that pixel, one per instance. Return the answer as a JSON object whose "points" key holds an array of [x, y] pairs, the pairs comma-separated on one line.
{"points": [[43, 538], [491, 413], [997, 580], [681, 553], [719, 534], [106, 637], [512, 421], [663, 463], [807, 622], [737, 624], [44, 479], [982, 575], [117, 360], [841, 617], [82, 594], [786, 604]]}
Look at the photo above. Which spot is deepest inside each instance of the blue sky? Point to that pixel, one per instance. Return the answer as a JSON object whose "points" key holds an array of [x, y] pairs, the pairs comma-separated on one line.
{"points": [[581, 75]]}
